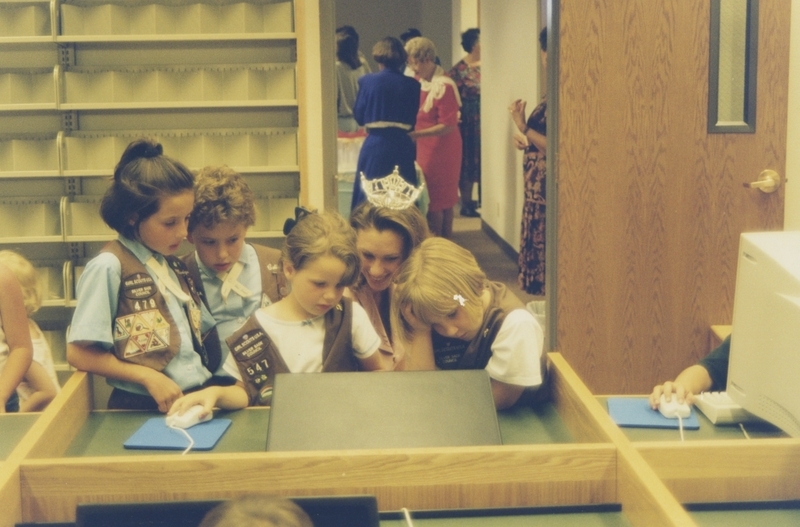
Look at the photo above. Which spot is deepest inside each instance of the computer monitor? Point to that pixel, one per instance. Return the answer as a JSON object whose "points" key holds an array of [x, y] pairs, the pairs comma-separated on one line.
{"points": [[324, 511], [764, 370]]}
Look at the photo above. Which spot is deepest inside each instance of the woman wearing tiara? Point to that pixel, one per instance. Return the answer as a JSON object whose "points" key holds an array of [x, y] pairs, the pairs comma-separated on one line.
{"points": [[386, 106], [386, 235]]}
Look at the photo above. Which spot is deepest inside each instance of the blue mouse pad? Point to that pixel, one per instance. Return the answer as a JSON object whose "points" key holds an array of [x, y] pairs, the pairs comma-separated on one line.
{"points": [[154, 434], [635, 412]]}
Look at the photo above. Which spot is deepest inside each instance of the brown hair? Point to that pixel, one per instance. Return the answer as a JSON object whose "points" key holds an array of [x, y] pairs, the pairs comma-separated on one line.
{"points": [[316, 235], [408, 223], [389, 52], [142, 177], [222, 195], [257, 511]]}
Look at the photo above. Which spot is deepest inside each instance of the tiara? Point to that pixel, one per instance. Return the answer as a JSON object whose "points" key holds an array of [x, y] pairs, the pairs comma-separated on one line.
{"points": [[392, 191]]}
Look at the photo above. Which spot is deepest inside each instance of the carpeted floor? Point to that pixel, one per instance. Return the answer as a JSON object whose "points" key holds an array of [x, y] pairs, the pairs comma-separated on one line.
{"points": [[493, 260]]}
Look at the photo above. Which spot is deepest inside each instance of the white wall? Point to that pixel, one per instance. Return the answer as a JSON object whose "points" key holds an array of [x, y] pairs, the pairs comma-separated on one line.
{"points": [[465, 16], [792, 212], [510, 69]]}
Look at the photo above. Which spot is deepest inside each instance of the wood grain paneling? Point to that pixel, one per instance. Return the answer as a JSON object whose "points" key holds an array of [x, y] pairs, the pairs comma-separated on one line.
{"points": [[650, 204], [440, 478], [727, 471]]}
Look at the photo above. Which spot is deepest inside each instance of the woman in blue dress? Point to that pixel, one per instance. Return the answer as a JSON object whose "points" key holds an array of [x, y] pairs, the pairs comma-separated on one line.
{"points": [[386, 105]]}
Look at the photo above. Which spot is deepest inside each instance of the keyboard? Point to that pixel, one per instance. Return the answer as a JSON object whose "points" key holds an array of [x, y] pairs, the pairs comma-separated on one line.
{"points": [[720, 409]]}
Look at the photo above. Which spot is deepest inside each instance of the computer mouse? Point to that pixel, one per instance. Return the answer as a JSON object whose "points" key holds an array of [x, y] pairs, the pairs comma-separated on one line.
{"points": [[672, 409], [188, 418]]}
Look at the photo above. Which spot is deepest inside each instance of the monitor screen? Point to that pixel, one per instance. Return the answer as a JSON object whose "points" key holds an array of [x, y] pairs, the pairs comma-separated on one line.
{"points": [[357, 410], [764, 365], [324, 511]]}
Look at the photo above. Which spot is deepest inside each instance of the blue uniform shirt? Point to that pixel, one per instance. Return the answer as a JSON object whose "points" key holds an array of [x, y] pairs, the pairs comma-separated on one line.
{"points": [[229, 316], [93, 320]]}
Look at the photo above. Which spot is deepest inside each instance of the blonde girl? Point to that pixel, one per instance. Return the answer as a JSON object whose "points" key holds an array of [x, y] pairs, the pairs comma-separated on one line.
{"points": [[16, 351], [457, 319], [138, 321], [40, 384]]}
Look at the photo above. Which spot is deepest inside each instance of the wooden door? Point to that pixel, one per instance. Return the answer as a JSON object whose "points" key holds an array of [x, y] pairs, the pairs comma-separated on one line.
{"points": [[651, 205]]}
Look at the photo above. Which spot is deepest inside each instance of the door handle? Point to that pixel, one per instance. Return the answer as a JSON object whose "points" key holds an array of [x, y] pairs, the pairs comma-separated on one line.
{"points": [[768, 181]]}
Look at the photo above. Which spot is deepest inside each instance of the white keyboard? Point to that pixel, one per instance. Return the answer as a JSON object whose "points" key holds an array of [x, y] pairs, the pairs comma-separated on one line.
{"points": [[720, 409]]}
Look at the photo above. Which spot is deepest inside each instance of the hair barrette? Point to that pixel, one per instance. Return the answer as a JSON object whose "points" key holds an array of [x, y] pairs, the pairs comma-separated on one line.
{"points": [[459, 299], [299, 214]]}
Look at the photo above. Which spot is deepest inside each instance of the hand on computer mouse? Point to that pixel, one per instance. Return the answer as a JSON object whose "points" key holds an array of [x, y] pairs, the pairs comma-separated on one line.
{"points": [[194, 415], [672, 409], [672, 390]]}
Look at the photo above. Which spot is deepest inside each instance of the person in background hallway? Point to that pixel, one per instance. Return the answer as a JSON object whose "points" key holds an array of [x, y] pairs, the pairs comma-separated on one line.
{"points": [[532, 139], [350, 66], [405, 36], [386, 105], [16, 350], [257, 511], [40, 385], [437, 135], [467, 76], [409, 33]]}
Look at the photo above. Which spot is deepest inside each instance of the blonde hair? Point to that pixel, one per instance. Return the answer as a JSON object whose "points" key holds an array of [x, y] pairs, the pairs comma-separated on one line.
{"points": [[221, 195], [26, 276], [257, 511], [320, 234], [433, 282], [421, 49]]}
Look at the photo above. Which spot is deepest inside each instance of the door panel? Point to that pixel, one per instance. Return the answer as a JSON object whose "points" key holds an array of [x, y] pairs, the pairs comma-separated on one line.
{"points": [[650, 206]]}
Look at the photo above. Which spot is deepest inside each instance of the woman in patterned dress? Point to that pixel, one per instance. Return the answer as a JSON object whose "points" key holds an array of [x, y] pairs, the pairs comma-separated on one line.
{"points": [[533, 140], [467, 76]]}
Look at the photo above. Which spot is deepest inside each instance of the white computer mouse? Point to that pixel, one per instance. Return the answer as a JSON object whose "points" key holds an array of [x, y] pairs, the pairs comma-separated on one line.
{"points": [[188, 418], [672, 409]]}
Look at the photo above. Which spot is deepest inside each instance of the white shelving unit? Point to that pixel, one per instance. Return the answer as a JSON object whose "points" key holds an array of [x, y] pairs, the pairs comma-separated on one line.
{"points": [[214, 81]]}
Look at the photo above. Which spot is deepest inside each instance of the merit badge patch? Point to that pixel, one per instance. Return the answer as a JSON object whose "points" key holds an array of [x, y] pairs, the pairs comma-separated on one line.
{"points": [[145, 331]]}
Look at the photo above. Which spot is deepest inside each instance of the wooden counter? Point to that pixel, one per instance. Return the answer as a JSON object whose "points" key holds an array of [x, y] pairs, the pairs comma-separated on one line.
{"points": [[567, 454]]}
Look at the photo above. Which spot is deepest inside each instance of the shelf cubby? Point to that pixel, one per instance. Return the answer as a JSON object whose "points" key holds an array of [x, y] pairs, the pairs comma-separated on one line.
{"points": [[30, 219], [269, 149], [27, 89], [51, 279], [82, 221], [33, 155], [174, 18], [271, 213], [161, 86], [25, 21], [57, 340]]}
